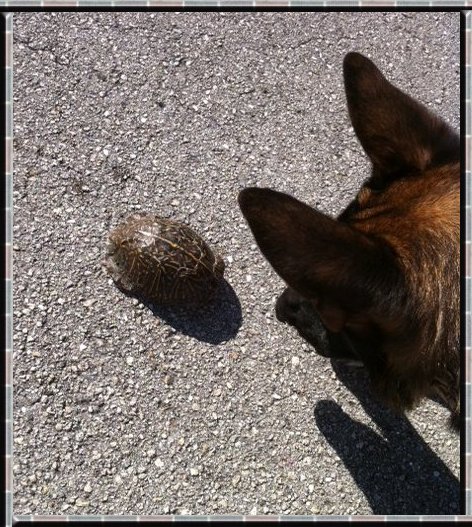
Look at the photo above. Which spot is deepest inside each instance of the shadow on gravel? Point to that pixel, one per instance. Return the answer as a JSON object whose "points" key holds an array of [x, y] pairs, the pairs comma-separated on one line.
{"points": [[214, 323], [397, 471]]}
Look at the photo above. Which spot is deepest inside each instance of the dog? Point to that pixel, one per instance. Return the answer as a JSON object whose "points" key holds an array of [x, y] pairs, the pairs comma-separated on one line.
{"points": [[383, 279]]}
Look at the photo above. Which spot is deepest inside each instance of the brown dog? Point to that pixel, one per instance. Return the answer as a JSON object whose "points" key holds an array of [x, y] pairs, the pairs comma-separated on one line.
{"points": [[383, 277]]}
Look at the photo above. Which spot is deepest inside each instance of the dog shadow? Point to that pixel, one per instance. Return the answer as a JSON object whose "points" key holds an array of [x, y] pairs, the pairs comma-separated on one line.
{"points": [[395, 469], [214, 323]]}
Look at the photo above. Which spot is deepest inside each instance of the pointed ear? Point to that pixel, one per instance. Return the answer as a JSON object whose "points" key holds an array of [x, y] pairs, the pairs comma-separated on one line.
{"points": [[317, 256], [398, 133]]}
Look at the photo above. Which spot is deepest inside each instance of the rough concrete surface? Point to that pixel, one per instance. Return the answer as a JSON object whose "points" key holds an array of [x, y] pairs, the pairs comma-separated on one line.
{"points": [[121, 409]]}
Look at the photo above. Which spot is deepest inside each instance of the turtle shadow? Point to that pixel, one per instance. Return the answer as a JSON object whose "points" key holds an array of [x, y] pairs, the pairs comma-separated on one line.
{"points": [[215, 322], [393, 465]]}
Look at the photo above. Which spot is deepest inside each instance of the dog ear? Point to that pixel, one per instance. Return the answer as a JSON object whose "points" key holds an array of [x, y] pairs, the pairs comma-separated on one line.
{"points": [[399, 134], [322, 259]]}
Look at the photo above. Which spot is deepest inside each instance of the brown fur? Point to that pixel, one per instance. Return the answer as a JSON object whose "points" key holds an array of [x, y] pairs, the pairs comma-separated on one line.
{"points": [[385, 274]]}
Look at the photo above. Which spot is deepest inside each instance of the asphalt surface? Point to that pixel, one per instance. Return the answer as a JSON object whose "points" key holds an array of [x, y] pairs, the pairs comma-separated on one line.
{"points": [[121, 409]]}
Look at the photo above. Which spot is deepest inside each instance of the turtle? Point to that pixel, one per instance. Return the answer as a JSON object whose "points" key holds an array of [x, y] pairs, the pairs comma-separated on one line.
{"points": [[162, 261]]}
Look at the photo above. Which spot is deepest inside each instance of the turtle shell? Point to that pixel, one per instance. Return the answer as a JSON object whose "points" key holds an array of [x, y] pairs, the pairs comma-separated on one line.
{"points": [[162, 261]]}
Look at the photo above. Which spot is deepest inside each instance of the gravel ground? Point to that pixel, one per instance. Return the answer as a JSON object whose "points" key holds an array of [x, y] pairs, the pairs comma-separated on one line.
{"points": [[120, 409]]}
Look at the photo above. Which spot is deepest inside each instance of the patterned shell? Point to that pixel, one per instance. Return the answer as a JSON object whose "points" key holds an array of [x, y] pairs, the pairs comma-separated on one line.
{"points": [[162, 261]]}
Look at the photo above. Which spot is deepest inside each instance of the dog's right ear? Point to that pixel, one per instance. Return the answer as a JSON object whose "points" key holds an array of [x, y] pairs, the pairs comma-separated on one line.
{"points": [[319, 257], [399, 134]]}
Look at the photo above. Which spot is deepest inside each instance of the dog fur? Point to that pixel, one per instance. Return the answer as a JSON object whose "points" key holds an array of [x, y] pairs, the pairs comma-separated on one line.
{"points": [[383, 276]]}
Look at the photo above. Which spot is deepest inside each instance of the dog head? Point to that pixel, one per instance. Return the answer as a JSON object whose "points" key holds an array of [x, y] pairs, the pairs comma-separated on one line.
{"points": [[385, 273]]}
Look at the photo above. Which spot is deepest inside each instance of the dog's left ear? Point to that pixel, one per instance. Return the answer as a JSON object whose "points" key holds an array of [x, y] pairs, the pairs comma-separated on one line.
{"points": [[322, 259]]}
